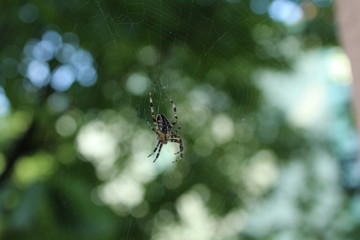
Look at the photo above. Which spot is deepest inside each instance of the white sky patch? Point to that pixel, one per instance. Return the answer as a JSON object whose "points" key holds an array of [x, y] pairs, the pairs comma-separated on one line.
{"points": [[281, 210], [304, 94], [331, 197], [312, 108], [339, 66]]}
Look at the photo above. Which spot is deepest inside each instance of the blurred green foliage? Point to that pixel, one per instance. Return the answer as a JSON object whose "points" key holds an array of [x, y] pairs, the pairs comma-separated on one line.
{"points": [[57, 180]]}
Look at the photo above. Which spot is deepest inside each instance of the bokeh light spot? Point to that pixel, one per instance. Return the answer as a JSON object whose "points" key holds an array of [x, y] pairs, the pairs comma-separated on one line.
{"points": [[63, 78], [43, 50], [122, 190], [71, 38], [137, 83], [38, 73], [98, 144], [148, 55], [53, 38], [78, 63], [259, 6], [34, 168], [58, 102], [86, 76], [285, 11], [28, 13], [4, 103], [222, 128], [81, 58], [65, 52], [65, 125], [310, 10]]}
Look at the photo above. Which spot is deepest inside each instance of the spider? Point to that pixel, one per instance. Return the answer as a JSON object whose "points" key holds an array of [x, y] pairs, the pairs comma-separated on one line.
{"points": [[164, 131]]}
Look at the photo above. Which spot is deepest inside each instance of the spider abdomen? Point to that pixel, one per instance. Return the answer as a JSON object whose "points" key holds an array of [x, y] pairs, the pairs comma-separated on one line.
{"points": [[163, 123]]}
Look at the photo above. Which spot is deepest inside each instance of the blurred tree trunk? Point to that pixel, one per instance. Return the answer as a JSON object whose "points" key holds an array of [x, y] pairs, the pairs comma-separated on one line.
{"points": [[349, 32]]}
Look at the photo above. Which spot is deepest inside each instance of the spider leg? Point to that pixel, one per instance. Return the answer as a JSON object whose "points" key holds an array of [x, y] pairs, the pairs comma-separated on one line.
{"points": [[174, 134], [152, 128], [174, 110], [177, 139], [152, 110], [157, 145], [157, 155]]}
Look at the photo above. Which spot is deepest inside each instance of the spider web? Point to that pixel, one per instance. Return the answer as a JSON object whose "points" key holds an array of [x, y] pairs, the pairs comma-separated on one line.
{"points": [[224, 148], [165, 85]]}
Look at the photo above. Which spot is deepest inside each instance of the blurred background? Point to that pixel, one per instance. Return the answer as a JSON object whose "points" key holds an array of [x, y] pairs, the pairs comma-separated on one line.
{"points": [[263, 92]]}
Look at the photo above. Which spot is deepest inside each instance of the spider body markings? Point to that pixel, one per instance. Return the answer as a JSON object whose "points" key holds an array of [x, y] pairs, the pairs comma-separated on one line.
{"points": [[164, 130]]}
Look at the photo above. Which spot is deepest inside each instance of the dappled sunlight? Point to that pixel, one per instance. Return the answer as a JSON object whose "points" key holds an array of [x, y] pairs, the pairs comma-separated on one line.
{"points": [[105, 143], [311, 108], [98, 144], [14, 125], [304, 94], [195, 220], [222, 129], [262, 172], [34, 168], [261, 91], [137, 83], [122, 193], [280, 211], [38, 72], [339, 66]]}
